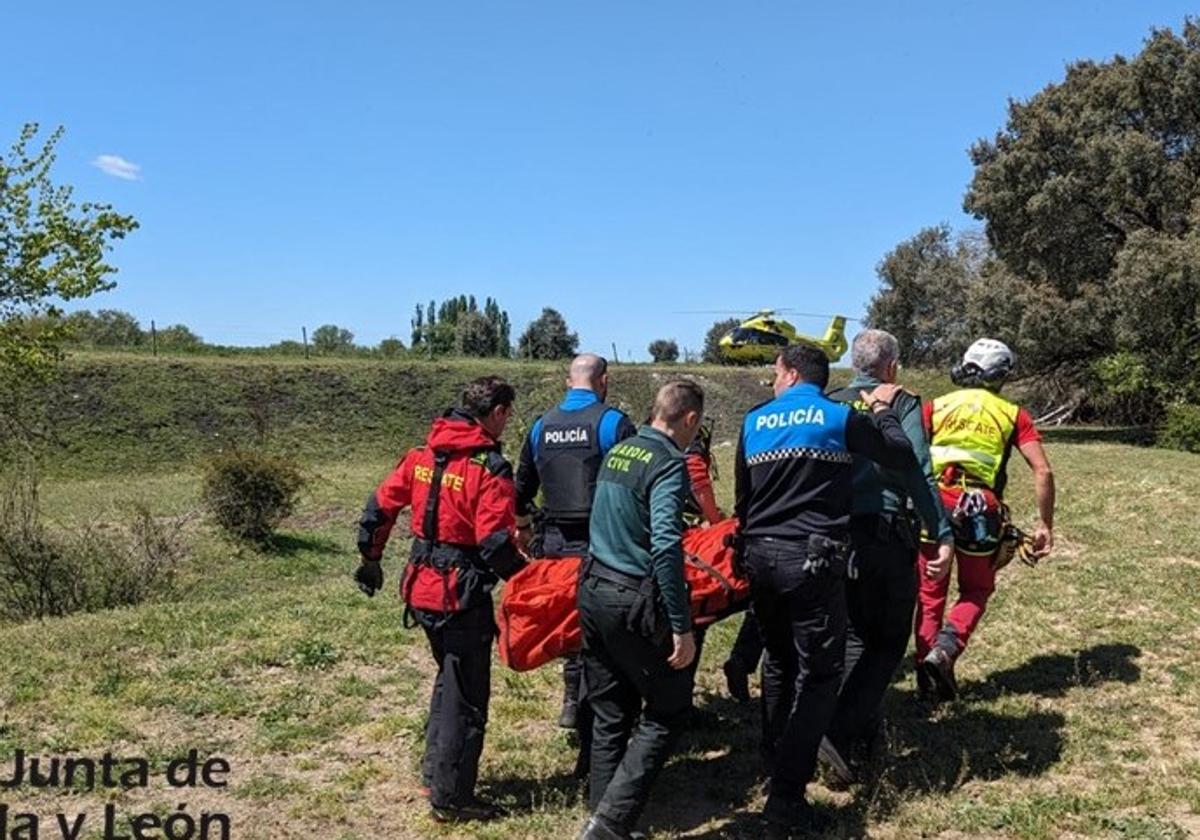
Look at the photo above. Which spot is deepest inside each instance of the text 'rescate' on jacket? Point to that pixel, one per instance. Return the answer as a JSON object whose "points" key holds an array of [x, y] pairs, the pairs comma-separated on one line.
{"points": [[475, 509]]}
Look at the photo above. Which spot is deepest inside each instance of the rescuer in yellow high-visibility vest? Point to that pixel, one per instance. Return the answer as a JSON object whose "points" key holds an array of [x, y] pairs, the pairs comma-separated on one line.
{"points": [[972, 433]]}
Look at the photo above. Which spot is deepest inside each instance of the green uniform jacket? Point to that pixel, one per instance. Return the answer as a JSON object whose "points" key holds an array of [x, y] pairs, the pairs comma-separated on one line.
{"points": [[637, 516], [881, 490]]}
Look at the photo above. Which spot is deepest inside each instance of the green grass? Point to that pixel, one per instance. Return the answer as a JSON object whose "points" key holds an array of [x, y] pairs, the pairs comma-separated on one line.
{"points": [[1077, 717]]}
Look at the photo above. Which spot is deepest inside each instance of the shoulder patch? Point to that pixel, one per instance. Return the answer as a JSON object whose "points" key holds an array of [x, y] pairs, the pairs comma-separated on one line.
{"points": [[493, 462]]}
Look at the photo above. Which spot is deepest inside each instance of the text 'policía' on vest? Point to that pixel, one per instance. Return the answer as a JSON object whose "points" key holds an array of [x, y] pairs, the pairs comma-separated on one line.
{"points": [[578, 434], [797, 417]]}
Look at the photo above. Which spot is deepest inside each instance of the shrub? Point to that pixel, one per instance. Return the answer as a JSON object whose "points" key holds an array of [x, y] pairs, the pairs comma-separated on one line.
{"points": [[1181, 428], [56, 571], [249, 494], [664, 350]]}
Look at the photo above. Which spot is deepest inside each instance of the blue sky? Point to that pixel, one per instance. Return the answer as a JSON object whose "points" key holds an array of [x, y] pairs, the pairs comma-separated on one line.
{"points": [[624, 162]]}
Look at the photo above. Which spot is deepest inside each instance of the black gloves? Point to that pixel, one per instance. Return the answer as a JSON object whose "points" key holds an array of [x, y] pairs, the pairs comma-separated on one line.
{"points": [[369, 577]]}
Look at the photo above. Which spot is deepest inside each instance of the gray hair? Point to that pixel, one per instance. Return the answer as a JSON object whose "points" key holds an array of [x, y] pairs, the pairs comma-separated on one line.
{"points": [[873, 351]]}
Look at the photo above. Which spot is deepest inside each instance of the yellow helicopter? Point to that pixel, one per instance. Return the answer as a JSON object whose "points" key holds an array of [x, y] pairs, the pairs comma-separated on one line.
{"points": [[757, 340]]}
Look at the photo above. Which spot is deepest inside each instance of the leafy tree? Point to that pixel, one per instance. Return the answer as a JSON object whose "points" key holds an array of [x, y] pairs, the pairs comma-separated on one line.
{"points": [[474, 336], [712, 341], [664, 350], [105, 328], [923, 290], [458, 325], [1089, 193], [418, 327], [330, 338], [51, 249], [547, 337], [178, 337], [390, 348]]}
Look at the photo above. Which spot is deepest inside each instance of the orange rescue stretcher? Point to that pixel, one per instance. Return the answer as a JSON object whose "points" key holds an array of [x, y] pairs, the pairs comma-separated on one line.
{"points": [[539, 621]]}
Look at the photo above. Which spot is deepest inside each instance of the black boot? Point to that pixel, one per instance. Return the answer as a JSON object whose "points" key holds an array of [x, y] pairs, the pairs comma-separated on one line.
{"points": [[737, 680], [467, 810], [938, 668], [598, 828], [568, 716]]}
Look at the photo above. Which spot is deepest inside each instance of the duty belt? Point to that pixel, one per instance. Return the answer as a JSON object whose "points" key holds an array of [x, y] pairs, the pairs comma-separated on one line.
{"points": [[597, 569], [644, 616]]}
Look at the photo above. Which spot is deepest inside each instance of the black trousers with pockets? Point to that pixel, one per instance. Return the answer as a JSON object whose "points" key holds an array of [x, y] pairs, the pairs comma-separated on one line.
{"points": [[638, 701], [461, 644], [880, 601], [802, 618]]}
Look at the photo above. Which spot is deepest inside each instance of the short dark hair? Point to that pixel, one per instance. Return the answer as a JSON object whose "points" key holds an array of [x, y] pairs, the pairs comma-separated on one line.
{"points": [[676, 398], [810, 362], [484, 394]]}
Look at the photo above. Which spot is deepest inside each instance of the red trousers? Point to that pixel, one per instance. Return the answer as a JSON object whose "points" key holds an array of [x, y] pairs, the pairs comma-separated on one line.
{"points": [[976, 583]]}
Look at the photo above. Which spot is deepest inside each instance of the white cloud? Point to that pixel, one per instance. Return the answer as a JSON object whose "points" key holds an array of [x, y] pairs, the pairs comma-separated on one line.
{"points": [[118, 167]]}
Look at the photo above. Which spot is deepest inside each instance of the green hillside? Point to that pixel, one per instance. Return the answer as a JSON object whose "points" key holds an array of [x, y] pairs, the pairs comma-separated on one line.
{"points": [[120, 413]]}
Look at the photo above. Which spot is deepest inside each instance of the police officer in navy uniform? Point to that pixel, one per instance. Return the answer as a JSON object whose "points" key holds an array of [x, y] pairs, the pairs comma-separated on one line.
{"points": [[881, 592], [638, 642], [562, 456], [792, 500]]}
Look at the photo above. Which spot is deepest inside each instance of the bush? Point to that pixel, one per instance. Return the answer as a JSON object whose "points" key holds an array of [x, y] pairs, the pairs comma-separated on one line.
{"points": [[664, 350], [249, 494], [1181, 428], [55, 571]]}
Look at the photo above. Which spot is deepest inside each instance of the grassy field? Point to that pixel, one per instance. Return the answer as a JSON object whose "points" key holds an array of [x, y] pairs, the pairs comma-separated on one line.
{"points": [[1078, 715]]}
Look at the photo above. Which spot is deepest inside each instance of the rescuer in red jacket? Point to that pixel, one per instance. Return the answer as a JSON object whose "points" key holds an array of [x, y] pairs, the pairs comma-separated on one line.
{"points": [[462, 544]]}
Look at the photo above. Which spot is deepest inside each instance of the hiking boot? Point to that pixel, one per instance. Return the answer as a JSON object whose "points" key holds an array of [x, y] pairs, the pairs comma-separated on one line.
{"points": [[938, 668], [467, 810], [836, 765], [598, 828], [568, 717], [737, 681], [783, 820], [926, 690]]}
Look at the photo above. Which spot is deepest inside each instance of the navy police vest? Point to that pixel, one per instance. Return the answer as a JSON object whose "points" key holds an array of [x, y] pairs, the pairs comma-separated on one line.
{"points": [[568, 460]]}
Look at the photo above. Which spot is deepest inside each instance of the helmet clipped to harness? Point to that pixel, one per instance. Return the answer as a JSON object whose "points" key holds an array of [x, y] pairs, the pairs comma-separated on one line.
{"points": [[986, 364]]}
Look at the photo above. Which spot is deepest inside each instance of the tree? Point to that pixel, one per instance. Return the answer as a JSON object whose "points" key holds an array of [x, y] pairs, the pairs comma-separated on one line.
{"points": [[330, 338], [712, 341], [664, 350], [458, 325], [922, 296], [178, 337], [50, 250], [418, 327], [105, 328], [547, 337], [474, 336], [390, 348], [1089, 193]]}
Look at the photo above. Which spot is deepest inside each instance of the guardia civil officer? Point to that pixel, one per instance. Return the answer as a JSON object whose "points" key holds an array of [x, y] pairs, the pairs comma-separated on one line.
{"points": [[792, 499], [633, 609], [881, 589], [561, 456], [460, 490]]}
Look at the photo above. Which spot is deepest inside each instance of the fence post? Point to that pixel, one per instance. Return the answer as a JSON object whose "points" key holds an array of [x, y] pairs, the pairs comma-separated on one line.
{"points": [[153, 338], [304, 334]]}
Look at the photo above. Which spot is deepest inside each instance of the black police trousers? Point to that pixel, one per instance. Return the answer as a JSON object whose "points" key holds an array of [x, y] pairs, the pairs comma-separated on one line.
{"points": [[627, 676], [802, 618], [462, 647], [880, 600], [747, 645]]}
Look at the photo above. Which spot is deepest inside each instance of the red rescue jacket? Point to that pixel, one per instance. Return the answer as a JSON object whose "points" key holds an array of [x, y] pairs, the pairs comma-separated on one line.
{"points": [[475, 507]]}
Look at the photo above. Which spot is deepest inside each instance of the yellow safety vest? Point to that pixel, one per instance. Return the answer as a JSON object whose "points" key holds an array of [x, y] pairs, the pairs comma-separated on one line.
{"points": [[972, 429]]}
